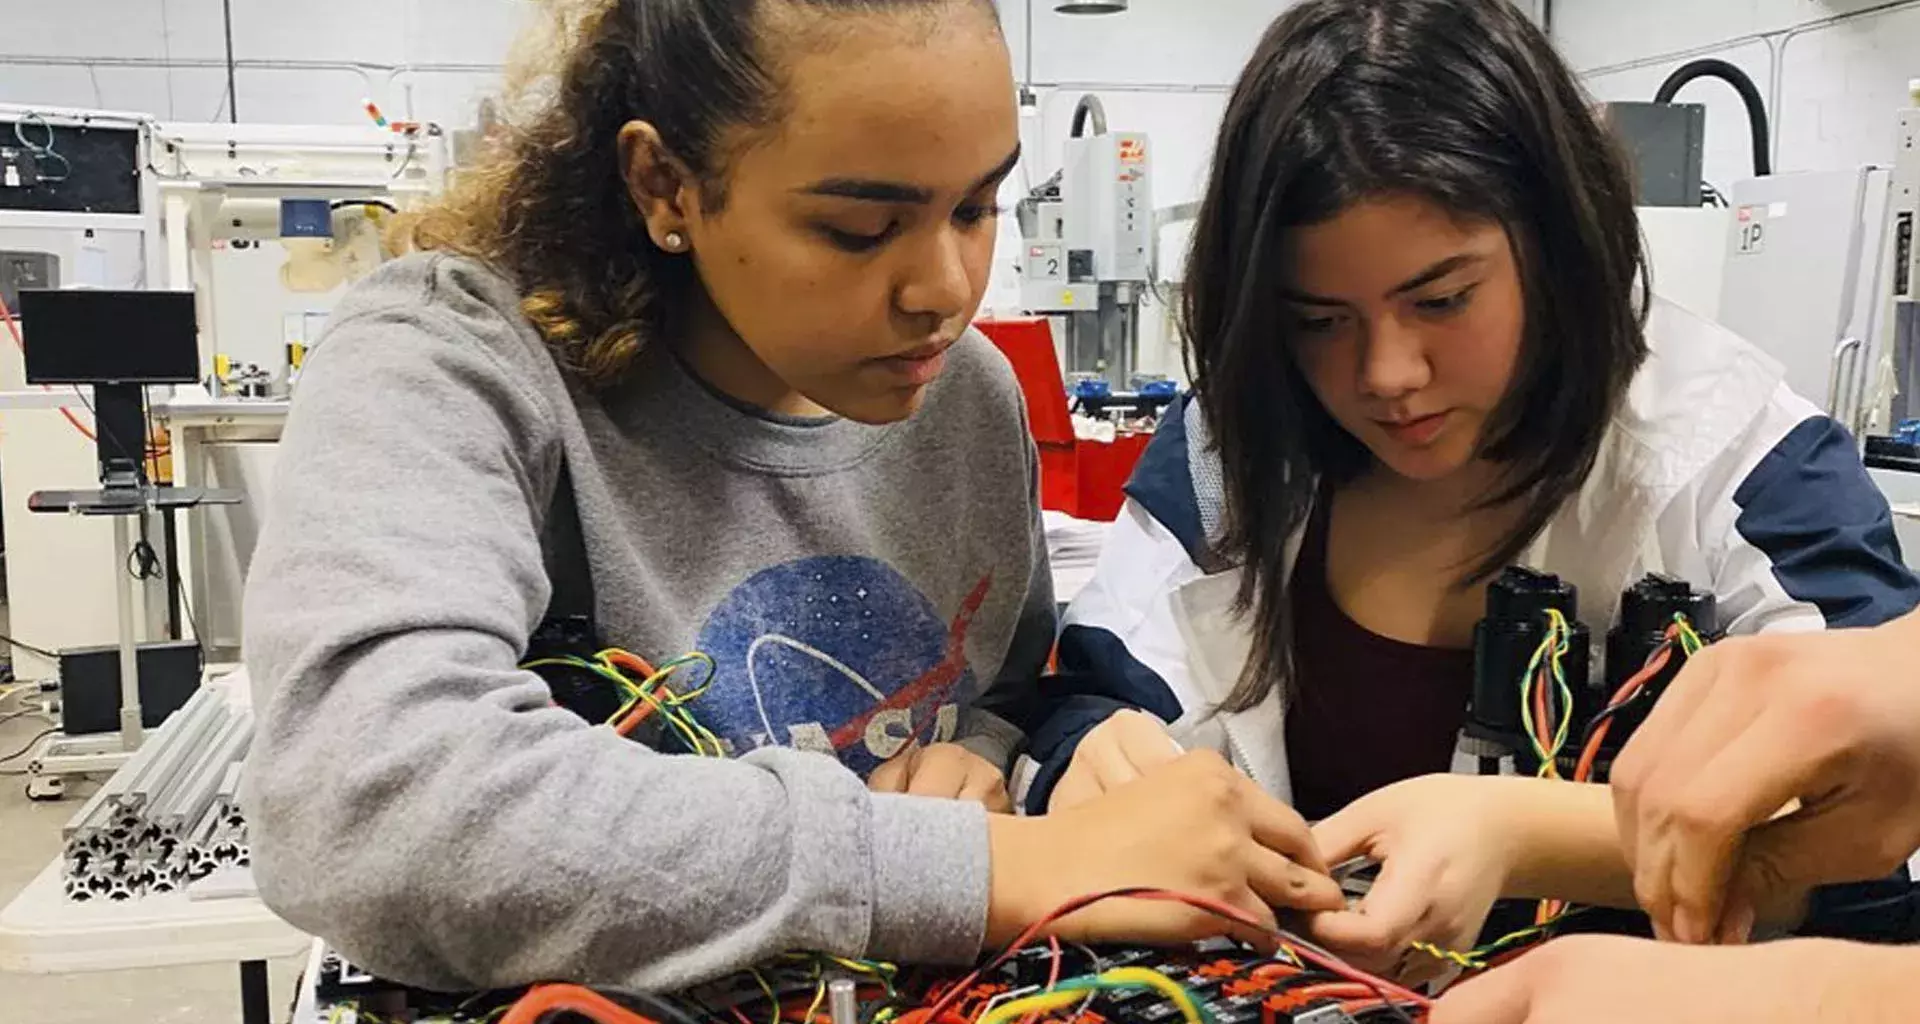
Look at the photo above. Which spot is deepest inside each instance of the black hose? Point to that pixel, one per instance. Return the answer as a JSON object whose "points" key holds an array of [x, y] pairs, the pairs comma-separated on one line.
{"points": [[1089, 107], [233, 89], [1711, 67]]}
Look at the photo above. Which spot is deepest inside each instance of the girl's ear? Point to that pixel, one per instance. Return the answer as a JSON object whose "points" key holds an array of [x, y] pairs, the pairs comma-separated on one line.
{"points": [[662, 188]]}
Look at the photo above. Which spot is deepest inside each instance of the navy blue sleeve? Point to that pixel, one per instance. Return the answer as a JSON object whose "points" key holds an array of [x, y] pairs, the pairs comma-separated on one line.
{"points": [[1099, 677], [1811, 508]]}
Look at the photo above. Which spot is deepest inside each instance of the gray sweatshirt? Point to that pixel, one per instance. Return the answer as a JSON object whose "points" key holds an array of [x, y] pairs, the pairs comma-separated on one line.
{"points": [[414, 796]]}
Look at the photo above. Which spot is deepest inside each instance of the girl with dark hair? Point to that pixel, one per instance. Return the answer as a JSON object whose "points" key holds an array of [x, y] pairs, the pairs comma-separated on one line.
{"points": [[1423, 349], [700, 319]]}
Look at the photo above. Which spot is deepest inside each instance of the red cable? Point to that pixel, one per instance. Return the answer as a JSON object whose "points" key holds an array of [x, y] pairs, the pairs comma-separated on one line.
{"points": [[20, 343], [539, 1002], [1627, 691]]}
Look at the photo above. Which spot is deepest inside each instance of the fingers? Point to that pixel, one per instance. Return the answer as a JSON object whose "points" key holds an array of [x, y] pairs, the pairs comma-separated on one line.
{"points": [[891, 777], [944, 771], [1075, 788], [1280, 828], [1103, 754], [1670, 818], [1118, 751], [1282, 883], [1348, 834], [1644, 753], [1387, 919], [1693, 825], [986, 787], [1144, 740], [939, 771]]}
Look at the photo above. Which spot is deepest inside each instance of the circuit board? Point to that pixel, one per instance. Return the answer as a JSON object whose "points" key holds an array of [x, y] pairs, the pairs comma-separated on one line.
{"points": [[1221, 982]]}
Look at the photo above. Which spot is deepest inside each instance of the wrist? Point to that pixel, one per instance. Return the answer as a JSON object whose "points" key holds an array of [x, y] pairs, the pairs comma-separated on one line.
{"points": [[1016, 847], [1561, 842]]}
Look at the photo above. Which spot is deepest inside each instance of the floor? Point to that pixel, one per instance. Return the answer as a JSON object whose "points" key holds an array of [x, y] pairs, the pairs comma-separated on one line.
{"points": [[29, 838]]}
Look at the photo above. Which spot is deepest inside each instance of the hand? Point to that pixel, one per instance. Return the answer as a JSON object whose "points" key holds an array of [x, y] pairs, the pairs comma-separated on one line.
{"points": [[1117, 751], [1194, 826], [1445, 855], [1593, 979], [946, 771], [1751, 725]]}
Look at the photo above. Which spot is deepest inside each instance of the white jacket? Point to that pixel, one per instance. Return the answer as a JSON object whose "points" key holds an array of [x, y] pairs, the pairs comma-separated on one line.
{"points": [[1713, 472]]}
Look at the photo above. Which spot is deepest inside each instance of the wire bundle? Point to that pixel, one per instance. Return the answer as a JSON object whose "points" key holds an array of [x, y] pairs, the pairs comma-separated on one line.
{"points": [[1546, 698], [647, 693], [1537, 708], [1680, 636], [1299, 974]]}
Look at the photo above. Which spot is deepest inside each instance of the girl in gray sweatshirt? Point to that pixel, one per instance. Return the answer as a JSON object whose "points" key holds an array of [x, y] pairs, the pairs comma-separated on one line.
{"points": [[712, 285]]}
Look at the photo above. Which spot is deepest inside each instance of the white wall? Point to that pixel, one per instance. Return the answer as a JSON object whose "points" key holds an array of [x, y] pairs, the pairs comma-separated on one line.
{"points": [[299, 62], [1833, 70]]}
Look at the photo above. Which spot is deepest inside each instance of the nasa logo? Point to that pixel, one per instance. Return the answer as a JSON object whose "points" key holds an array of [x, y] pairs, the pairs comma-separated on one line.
{"points": [[837, 654]]}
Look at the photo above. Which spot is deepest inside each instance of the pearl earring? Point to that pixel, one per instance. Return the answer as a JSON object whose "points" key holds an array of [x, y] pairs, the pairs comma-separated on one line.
{"points": [[675, 241]]}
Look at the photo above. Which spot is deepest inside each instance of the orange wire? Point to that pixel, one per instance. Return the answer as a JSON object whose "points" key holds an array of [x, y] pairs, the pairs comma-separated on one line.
{"points": [[632, 663], [543, 1000], [1627, 691]]}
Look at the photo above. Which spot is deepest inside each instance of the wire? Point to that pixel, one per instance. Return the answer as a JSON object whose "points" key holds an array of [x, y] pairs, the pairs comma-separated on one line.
{"points": [[1628, 692], [29, 648], [773, 1000], [43, 152], [30, 745], [1546, 698], [543, 1000], [1482, 957], [13, 328], [1295, 946]]}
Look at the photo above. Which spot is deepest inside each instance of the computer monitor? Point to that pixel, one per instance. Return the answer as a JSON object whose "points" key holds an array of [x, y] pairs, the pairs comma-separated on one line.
{"points": [[117, 342], [105, 337]]}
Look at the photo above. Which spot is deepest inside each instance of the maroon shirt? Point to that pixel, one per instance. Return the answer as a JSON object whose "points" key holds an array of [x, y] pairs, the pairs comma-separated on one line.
{"points": [[1366, 710]]}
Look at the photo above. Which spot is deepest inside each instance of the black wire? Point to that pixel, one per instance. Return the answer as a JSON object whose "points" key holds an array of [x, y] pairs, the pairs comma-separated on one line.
{"points": [[30, 745], [341, 204], [143, 563], [29, 648], [1643, 696], [653, 1006]]}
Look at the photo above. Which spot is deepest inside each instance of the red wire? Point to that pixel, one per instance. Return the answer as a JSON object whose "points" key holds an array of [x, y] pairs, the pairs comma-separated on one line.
{"points": [[1627, 691], [1306, 950], [13, 328], [543, 1000]]}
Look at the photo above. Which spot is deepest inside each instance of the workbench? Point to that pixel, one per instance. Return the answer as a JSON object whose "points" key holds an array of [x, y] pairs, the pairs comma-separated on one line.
{"points": [[42, 932]]}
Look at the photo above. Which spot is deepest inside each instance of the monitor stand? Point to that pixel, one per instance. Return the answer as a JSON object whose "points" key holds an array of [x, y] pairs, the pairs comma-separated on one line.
{"points": [[120, 436]]}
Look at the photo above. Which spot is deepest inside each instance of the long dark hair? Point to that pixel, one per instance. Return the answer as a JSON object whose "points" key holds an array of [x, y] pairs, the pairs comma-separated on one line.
{"points": [[1466, 104], [547, 204]]}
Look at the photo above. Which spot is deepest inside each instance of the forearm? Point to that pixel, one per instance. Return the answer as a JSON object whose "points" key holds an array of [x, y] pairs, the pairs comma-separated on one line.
{"points": [[413, 823], [1566, 845], [1855, 983]]}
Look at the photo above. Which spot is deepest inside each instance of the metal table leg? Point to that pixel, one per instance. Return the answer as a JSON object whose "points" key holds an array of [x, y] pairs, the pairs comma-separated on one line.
{"points": [[255, 993]]}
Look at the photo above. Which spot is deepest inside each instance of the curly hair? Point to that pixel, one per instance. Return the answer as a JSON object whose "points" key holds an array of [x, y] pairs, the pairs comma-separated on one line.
{"points": [[548, 205]]}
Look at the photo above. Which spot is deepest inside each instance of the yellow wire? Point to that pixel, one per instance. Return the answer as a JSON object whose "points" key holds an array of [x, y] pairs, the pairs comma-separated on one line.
{"points": [[1043, 1003], [1466, 960], [1070, 992], [819, 996], [1155, 980], [773, 1000]]}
